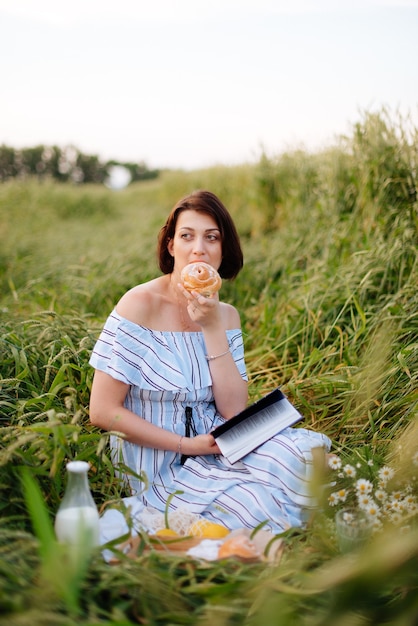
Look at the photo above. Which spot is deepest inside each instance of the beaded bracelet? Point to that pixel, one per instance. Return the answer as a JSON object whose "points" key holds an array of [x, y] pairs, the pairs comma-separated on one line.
{"points": [[216, 356]]}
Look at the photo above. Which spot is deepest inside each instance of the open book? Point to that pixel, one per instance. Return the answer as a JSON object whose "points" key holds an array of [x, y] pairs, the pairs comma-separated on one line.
{"points": [[258, 422]]}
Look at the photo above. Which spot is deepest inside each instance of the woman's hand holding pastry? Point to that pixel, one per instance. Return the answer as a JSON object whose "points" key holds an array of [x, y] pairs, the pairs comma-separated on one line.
{"points": [[200, 283], [201, 309]]}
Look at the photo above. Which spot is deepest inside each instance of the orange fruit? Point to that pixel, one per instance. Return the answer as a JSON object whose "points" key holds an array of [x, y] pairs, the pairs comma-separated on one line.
{"points": [[167, 532], [207, 530]]}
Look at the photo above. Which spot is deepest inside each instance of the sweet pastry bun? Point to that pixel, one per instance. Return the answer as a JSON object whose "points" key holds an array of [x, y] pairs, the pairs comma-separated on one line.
{"points": [[201, 277], [238, 546]]}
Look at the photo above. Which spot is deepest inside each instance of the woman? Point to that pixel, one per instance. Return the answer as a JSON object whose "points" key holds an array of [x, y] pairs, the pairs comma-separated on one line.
{"points": [[170, 367]]}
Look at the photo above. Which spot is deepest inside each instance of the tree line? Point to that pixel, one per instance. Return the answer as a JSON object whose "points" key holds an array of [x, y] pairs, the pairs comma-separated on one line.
{"points": [[67, 164]]}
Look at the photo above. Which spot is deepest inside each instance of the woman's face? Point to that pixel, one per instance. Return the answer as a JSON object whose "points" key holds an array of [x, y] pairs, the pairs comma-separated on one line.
{"points": [[197, 238]]}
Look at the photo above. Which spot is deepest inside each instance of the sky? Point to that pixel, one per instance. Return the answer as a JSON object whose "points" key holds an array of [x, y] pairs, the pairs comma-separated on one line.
{"points": [[194, 83]]}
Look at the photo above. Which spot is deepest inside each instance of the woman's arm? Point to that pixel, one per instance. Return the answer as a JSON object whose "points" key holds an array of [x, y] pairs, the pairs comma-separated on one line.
{"points": [[107, 411], [229, 389]]}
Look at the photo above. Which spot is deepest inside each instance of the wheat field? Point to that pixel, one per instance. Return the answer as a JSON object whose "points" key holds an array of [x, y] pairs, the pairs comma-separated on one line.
{"points": [[328, 301]]}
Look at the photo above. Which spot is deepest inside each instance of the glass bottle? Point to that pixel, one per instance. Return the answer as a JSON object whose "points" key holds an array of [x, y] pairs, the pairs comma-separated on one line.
{"points": [[77, 519]]}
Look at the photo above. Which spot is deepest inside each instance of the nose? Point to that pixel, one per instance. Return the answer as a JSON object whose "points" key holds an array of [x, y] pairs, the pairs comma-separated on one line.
{"points": [[199, 248]]}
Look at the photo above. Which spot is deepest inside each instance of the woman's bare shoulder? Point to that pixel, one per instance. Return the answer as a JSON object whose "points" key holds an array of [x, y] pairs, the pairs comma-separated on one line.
{"points": [[231, 316], [139, 304]]}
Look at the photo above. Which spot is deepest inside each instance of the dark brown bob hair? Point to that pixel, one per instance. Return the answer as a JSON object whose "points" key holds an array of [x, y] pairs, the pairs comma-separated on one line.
{"points": [[206, 202]]}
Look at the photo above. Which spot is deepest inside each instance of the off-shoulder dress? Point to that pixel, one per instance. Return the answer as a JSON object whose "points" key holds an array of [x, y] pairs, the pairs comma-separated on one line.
{"points": [[167, 372]]}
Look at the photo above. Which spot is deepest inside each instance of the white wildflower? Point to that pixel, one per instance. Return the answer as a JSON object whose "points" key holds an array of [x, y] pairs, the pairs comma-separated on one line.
{"points": [[385, 473], [349, 517], [395, 505], [342, 495], [334, 462], [387, 507], [364, 486], [364, 500], [409, 499], [412, 507], [376, 502], [381, 495], [372, 510], [349, 471], [395, 518], [396, 495], [333, 499]]}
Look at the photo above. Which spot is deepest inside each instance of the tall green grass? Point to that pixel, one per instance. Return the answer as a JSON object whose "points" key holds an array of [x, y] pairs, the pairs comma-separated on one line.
{"points": [[328, 300]]}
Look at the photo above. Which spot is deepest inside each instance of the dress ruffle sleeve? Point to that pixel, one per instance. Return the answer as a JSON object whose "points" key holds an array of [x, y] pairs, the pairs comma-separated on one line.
{"points": [[155, 360]]}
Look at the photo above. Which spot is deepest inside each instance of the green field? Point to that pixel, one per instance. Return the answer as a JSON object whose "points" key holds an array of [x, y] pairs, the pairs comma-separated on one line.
{"points": [[328, 301]]}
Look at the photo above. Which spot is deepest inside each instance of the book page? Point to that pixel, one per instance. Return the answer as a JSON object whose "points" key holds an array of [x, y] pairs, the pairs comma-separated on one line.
{"points": [[248, 434]]}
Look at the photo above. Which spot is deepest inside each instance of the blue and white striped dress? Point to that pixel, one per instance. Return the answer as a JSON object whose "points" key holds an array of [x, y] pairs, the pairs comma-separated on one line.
{"points": [[166, 372]]}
